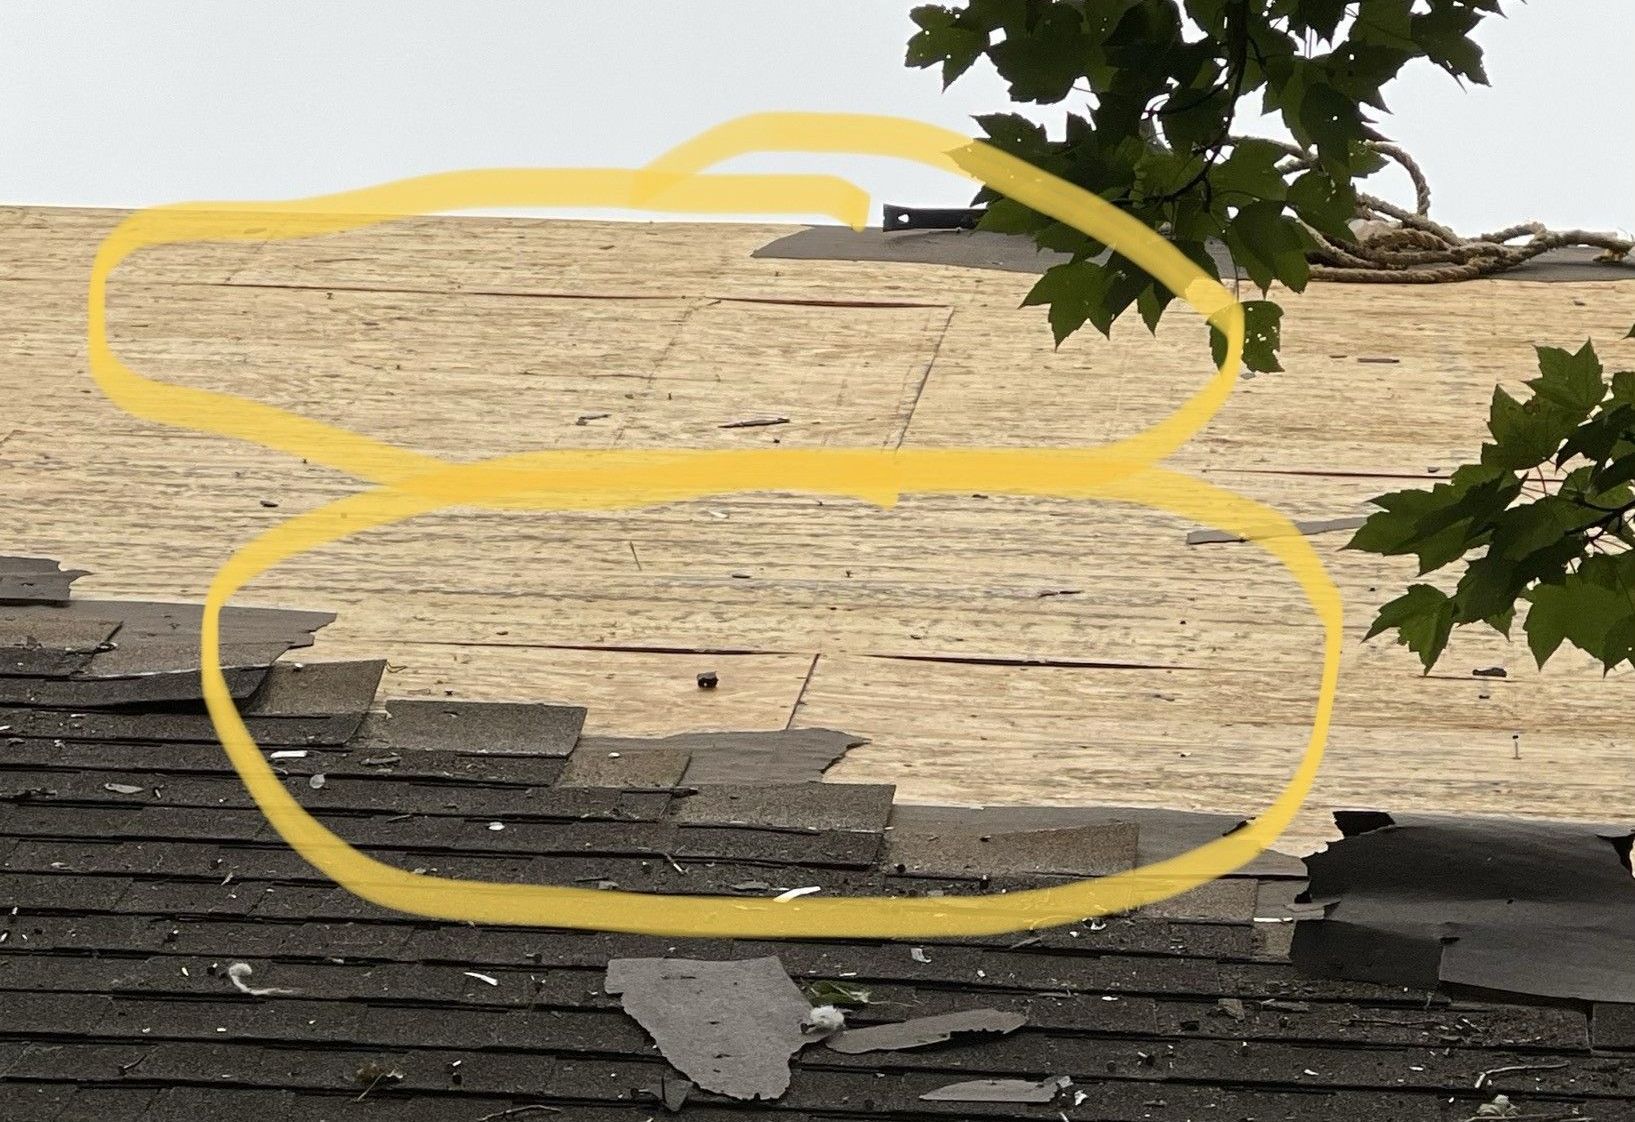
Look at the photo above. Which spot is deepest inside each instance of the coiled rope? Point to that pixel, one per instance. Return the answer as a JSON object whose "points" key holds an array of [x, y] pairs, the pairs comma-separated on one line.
{"points": [[1397, 246]]}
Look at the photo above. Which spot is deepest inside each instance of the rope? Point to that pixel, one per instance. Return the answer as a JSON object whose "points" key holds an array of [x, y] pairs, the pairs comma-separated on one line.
{"points": [[1394, 245]]}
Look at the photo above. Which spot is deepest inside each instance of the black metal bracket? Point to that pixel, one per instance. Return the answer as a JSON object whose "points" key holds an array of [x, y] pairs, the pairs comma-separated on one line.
{"points": [[930, 218]]}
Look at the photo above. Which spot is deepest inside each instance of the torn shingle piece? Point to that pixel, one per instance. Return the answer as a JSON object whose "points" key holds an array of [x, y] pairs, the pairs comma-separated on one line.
{"points": [[489, 727], [1096, 849], [773, 757], [1000, 1091], [979, 249], [730, 1027], [158, 638], [1545, 909], [135, 656], [808, 806], [1612, 1027], [1227, 900], [1160, 833], [317, 688], [160, 726], [80, 692], [37, 580], [39, 645], [147, 653], [631, 767], [921, 1031], [1307, 528]]}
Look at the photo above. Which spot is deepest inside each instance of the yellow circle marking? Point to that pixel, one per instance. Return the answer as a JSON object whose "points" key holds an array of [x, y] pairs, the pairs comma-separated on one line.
{"points": [[409, 483]]}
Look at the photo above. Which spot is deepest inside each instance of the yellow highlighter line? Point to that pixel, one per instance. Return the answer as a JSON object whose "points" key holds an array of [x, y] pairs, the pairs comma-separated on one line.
{"points": [[406, 484]]}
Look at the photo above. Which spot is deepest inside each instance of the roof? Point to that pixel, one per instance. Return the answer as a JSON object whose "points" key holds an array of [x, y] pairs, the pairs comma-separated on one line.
{"points": [[136, 873], [990, 649]]}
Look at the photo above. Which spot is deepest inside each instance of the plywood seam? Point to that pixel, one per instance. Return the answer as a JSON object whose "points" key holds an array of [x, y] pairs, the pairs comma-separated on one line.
{"points": [[925, 376], [801, 696]]}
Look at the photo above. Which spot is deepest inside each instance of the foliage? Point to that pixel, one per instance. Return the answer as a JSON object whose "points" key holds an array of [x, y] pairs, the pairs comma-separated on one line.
{"points": [[1550, 508], [1164, 79], [836, 993]]}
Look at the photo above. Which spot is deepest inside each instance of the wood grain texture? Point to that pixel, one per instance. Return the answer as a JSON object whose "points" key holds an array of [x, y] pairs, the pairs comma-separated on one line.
{"points": [[993, 649]]}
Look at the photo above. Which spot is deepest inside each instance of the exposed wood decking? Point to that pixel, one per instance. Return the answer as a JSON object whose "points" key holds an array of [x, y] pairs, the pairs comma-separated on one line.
{"points": [[1174, 675]]}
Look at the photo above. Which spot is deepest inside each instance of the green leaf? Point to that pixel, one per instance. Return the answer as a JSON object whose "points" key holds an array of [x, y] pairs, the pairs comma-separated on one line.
{"points": [[1062, 238], [836, 993], [1043, 63], [1263, 335], [1595, 618], [1328, 206], [1015, 134], [1319, 16], [1608, 480], [1423, 618], [1524, 530], [1071, 290], [1384, 21], [1250, 170], [1546, 622], [1193, 118], [1007, 216], [1492, 583], [1442, 523], [1269, 246], [1598, 438], [1359, 70], [942, 39], [1570, 381], [1488, 588], [1443, 34], [1331, 122], [1151, 304], [1122, 282], [1396, 530], [1501, 621], [1524, 435]]}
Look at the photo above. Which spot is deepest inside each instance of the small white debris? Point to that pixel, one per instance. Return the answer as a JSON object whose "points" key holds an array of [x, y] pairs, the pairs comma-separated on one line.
{"points": [[122, 788], [796, 893], [1079, 1097], [316, 782], [613, 755], [824, 1020], [496, 825], [482, 977], [288, 754], [1500, 1107], [185, 974], [918, 954], [1310, 1072], [239, 971]]}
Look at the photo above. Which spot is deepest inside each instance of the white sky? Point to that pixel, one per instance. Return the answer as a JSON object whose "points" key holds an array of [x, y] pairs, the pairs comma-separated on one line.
{"points": [[147, 101]]}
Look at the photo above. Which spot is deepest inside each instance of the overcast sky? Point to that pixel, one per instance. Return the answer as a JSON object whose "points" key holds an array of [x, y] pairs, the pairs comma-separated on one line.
{"points": [[134, 103]]}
